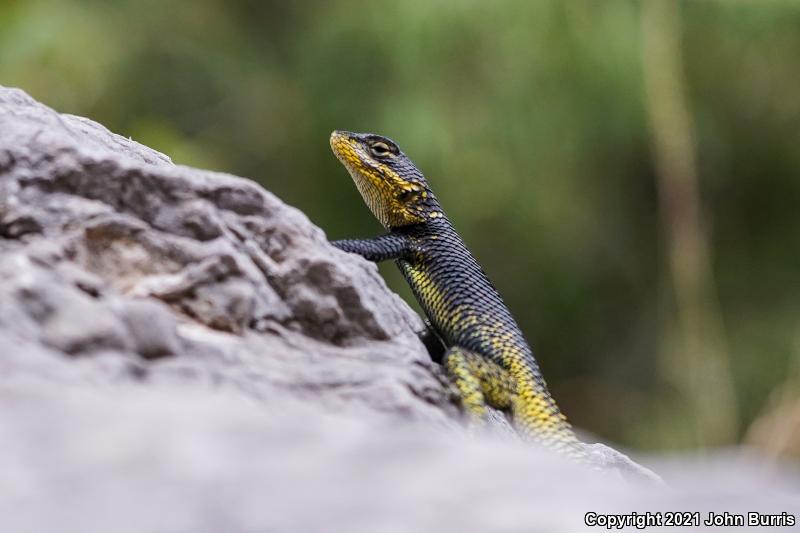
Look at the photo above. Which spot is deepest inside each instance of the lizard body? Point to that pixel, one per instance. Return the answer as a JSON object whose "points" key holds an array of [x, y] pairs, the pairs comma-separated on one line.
{"points": [[487, 357]]}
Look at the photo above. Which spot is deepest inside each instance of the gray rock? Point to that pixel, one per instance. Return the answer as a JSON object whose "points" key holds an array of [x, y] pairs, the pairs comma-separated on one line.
{"points": [[110, 248], [181, 351]]}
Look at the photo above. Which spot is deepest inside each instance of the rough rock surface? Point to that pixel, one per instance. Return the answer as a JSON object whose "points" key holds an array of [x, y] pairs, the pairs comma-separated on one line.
{"points": [[147, 272], [181, 351]]}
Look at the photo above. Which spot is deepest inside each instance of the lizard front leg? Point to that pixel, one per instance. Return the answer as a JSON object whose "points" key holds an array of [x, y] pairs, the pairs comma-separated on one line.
{"points": [[382, 248]]}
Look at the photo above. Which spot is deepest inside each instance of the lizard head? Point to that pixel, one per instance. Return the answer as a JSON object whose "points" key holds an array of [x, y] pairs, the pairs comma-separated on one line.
{"points": [[392, 187]]}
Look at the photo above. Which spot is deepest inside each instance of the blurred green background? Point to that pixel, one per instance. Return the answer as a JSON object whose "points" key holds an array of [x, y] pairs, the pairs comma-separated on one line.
{"points": [[627, 172]]}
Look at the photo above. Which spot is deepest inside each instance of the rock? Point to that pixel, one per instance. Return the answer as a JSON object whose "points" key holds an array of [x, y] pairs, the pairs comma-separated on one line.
{"points": [[110, 248], [181, 351]]}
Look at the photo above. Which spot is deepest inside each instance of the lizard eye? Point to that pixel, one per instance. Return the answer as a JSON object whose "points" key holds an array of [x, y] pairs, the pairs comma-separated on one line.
{"points": [[381, 149]]}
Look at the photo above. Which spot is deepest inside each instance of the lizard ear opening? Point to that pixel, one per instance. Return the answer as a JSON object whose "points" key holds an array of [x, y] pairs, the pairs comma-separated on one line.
{"points": [[407, 195]]}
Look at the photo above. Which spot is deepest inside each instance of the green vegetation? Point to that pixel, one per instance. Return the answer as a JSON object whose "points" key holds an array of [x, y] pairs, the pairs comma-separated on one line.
{"points": [[555, 133]]}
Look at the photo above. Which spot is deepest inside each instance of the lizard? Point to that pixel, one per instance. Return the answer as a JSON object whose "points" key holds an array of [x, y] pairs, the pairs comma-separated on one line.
{"points": [[487, 357]]}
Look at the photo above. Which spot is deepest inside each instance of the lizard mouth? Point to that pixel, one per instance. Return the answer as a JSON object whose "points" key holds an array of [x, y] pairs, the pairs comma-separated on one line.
{"points": [[348, 149], [341, 142], [345, 148]]}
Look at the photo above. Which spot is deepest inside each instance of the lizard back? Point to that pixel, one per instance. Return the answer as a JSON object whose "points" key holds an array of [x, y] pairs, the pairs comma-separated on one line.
{"points": [[467, 311]]}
